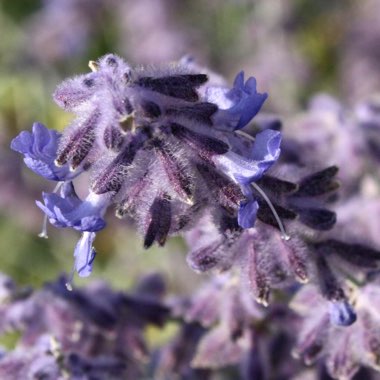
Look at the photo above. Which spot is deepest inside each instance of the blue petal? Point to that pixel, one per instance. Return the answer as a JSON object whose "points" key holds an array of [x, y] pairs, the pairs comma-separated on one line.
{"points": [[247, 214], [68, 210], [239, 80], [39, 148], [84, 254], [266, 149], [248, 101], [244, 170], [342, 313], [238, 105]]}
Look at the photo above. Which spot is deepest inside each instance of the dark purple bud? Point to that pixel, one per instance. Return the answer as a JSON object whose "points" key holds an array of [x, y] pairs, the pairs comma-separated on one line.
{"points": [[356, 254], [112, 177], [160, 221], [227, 193], [204, 145], [297, 264], [182, 220], [258, 281], [206, 258], [79, 143], [113, 138], [265, 214], [131, 197], [318, 183], [150, 109], [277, 186], [199, 112], [317, 218], [176, 173], [176, 86], [328, 282]]}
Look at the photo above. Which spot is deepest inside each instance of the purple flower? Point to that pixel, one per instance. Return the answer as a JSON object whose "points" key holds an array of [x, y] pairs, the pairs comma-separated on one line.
{"points": [[244, 170], [237, 106], [39, 148], [84, 254], [68, 210]]}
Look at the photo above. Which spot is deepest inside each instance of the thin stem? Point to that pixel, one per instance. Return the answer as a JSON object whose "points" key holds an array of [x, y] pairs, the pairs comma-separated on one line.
{"points": [[284, 235]]}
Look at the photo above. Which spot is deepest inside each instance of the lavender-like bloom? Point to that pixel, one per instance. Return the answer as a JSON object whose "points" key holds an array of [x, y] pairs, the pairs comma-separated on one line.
{"points": [[164, 146], [39, 148], [154, 144], [68, 210], [237, 106], [244, 171]]}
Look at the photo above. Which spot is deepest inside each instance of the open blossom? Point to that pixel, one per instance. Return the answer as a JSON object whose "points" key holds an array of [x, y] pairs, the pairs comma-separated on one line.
{"points": [[68, 210], [39, 148], [238, 105]]}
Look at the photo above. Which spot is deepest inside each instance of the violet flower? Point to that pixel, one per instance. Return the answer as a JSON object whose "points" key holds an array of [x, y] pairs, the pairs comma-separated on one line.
{"points": [[68, 210], [237, 106], [148, 137], [244, 170], [39, 148]]}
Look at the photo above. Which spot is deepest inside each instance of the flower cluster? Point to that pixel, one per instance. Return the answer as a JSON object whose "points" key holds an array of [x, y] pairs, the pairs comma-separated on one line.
{"points": [[160, 145], [165, 147]]}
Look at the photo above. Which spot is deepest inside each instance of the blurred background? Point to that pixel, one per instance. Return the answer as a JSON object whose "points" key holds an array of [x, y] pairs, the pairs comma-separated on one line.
{"points": [[295, 48]]}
